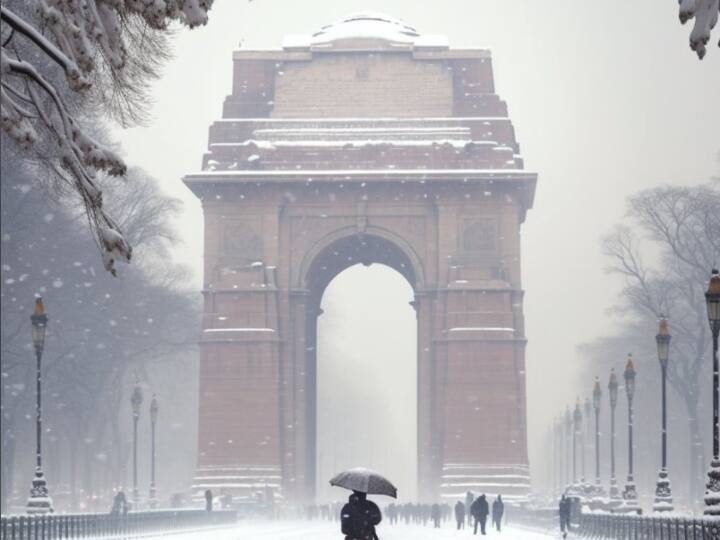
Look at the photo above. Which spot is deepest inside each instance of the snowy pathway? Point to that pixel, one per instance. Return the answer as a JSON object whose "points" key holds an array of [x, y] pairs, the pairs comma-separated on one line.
{"points": [[322, 530]]}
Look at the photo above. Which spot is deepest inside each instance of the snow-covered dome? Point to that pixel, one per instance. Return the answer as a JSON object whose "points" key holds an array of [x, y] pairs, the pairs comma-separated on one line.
{"points": [[365, 31]]}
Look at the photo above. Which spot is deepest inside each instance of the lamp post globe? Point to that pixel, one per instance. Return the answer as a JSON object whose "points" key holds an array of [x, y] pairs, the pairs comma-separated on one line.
{"points": [[39, 501], [153, 422], [663, 492], [712, 492], [135, 402], [613, 393], [630, 491]]}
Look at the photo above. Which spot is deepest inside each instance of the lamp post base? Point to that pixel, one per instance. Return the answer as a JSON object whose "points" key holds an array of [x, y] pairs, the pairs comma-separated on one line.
{"points": [[712, 491], [152, 499], [39, 501], [663, 493], [630, 503], [614, 490]]}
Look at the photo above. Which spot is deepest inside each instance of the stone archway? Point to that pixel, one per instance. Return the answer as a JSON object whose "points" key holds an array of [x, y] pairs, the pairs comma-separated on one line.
{"points": [[297, 181], [339, 252]]}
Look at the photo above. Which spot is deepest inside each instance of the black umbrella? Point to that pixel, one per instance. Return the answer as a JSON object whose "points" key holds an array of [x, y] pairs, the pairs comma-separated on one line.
{"points": [[365, 481]]}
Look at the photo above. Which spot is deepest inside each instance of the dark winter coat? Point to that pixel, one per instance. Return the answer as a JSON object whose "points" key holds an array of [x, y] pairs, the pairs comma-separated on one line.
{"points": [[359, 517], [498, 508], [480, 508], [459, 511]]}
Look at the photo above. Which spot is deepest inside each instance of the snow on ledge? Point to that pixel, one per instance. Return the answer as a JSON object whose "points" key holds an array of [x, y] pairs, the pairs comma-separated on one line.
{"points": [[239, 330], [480, 329]]}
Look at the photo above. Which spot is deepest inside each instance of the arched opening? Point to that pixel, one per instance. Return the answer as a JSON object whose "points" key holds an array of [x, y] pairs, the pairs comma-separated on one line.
{"points": [[362, 267], [366, 378]]}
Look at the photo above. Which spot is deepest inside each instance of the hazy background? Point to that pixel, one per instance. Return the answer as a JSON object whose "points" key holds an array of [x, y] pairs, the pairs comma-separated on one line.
{"points": [[606, 99]]}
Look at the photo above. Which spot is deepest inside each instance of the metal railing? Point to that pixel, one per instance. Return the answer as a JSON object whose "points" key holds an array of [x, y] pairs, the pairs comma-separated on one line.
{"points": [[619, 527], [133, 524]]}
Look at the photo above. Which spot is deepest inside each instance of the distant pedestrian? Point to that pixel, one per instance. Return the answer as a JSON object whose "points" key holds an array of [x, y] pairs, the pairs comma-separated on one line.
{"points": [[498, 509], [435, 515], [564, 513], [120, 505], [460, 515], [208, 500], [469, 498], [480, 510]]}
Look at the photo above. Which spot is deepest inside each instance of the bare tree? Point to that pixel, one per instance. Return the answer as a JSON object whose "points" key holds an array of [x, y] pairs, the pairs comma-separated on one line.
{"points": [[678, 230], [61, 57], [101, 329]]}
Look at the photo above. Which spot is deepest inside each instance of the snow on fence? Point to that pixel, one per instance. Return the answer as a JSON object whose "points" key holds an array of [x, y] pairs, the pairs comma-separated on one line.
{"points": [[633, 527], [133, 524], [607, 526]]}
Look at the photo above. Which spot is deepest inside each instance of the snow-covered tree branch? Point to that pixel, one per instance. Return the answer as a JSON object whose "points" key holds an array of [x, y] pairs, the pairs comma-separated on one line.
{"points": [[61, 57], [705, 13]]}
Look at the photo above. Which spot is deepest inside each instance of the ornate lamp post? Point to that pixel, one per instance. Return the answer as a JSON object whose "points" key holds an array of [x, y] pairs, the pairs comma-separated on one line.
{"points": [[630, 493], [135, 401], [663, 493], [712, 494], [153, 422], [39, 501], [613, 392], [577, 423], [570, 463], [597, 397], [587, 439]]}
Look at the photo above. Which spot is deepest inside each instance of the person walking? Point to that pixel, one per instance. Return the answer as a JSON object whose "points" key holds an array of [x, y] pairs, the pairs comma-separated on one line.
{"points": [[564, 513], [359, 517], [460, 515], [469, 498], [498, 509], [435, 515], [480, 510], [208, 500]]}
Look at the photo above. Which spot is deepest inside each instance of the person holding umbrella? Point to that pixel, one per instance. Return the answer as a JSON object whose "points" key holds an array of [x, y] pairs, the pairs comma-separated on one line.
{"points": [[359, 517]]}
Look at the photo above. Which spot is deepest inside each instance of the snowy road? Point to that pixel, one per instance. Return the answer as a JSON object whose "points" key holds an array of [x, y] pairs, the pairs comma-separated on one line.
{"points": [[323, 530]]}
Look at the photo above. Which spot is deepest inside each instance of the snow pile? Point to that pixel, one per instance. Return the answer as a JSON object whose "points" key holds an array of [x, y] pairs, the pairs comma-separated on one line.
{"points": [[364, 28], [705, 13]]}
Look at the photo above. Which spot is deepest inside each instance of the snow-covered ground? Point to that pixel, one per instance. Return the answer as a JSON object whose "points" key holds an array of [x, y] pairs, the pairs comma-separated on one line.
{"points": [[324, 530]]}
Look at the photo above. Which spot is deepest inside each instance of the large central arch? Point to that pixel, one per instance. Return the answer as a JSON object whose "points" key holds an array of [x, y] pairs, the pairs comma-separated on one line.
{"points": [[324, 262], [347, 147]]}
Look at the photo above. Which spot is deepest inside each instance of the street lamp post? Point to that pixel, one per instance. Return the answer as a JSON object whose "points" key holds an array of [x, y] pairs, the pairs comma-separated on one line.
{"points": [[577, 423], [39, 501], [597, 396], [613, 393], [135, 401], [712, 493], [570, 463], [663, 493], [630, 492], [153, 421], [588, 441], [558, 454]]}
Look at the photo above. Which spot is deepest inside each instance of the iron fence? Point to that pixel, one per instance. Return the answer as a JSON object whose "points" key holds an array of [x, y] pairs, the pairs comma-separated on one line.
{"points": [[627, 527], [111, 526]]}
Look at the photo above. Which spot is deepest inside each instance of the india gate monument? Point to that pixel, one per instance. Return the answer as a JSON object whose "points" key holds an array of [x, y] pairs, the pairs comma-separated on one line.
{"points": [[365, 142]]}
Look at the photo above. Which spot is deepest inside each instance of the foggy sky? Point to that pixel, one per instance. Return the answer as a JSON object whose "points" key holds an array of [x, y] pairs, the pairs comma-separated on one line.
{"points": [[606, 99]]}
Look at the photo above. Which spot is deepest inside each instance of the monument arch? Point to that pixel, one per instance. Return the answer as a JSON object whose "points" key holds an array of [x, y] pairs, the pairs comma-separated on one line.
{"points": [[366, 142]]}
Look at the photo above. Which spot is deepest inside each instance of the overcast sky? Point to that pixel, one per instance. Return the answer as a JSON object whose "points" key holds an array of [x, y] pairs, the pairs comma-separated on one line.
{"points": [[606, 99]]}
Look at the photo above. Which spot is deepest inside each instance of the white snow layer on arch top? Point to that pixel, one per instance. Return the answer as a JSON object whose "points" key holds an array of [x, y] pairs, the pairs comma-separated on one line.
{"points": [[365, 31]]}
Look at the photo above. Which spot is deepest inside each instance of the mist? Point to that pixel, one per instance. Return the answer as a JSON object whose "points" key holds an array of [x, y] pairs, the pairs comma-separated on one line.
{"points": [[605, 99]]}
